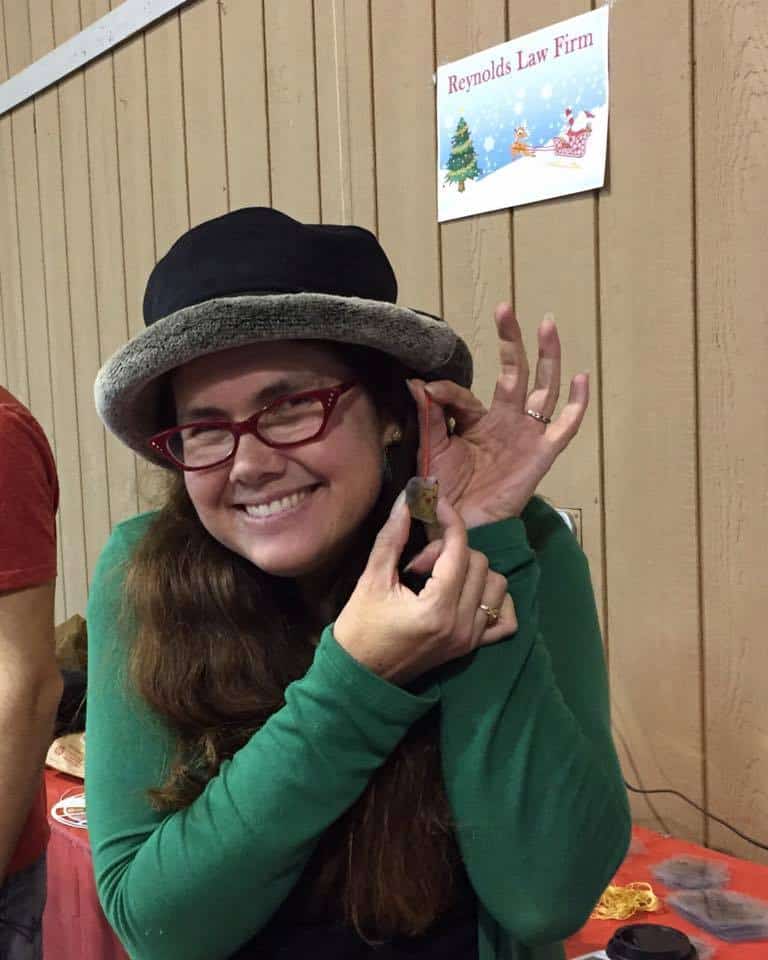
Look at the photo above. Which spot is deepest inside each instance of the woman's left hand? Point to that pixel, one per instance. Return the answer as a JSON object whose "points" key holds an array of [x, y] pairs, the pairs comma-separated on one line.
{"points": [[492, 463]]}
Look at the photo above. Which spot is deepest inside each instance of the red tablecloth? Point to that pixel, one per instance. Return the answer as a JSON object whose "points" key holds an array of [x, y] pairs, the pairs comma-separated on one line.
{"points": [[75, 927], [746, 877]]}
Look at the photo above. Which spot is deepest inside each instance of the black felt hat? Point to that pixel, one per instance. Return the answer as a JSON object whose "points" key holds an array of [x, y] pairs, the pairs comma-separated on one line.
{"points": [[256, 274]]}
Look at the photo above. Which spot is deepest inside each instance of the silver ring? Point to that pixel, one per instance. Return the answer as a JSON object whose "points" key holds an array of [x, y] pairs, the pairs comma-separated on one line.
{"points": [[539, 416]]}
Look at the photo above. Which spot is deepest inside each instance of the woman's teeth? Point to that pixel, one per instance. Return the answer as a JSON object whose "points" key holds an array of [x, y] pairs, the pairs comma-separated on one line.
{"points": [[276, 506]]}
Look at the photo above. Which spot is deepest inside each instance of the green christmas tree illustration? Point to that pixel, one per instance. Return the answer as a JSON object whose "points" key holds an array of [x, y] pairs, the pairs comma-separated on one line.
{"points": [[462, 163]]}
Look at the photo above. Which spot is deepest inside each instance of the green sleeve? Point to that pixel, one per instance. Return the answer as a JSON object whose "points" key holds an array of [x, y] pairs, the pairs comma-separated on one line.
{"points": [[200, 882], [529, 762]]}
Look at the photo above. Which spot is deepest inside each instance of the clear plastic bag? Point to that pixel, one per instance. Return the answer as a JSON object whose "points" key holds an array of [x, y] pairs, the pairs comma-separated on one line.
{"points": [[731, 916], [691, 873]]}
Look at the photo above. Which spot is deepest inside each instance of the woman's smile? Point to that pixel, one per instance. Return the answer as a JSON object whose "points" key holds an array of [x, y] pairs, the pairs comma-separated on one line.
{"points": [[279, 506]]}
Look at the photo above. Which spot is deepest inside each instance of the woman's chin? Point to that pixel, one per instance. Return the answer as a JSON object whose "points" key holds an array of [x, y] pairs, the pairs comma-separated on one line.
{"points": [[290, 564], [289, 569]]}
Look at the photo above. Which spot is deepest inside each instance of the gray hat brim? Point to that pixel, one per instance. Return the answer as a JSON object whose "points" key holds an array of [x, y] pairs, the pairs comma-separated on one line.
{"points": [[127, 386]]}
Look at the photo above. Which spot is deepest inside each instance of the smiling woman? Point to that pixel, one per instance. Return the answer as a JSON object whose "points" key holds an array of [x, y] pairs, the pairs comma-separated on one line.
{"points": [[340, 732]]}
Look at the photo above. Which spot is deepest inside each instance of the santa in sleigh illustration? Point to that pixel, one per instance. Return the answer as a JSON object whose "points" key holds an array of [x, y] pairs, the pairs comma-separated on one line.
{"points": [[570, 142]]}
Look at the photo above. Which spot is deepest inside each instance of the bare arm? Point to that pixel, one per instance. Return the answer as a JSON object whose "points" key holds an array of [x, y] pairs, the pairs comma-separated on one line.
{"points": [[30, 690]]}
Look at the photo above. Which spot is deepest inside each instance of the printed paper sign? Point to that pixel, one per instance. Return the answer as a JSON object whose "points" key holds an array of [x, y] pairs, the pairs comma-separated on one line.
{"points": [[524, 121]]}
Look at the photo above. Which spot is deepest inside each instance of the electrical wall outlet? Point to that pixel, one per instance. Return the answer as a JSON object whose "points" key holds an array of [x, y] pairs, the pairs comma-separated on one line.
{"points": [[572, 517]]}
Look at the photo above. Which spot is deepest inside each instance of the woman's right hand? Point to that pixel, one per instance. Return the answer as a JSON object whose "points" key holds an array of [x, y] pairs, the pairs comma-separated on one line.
{"points": [[399, 634]]}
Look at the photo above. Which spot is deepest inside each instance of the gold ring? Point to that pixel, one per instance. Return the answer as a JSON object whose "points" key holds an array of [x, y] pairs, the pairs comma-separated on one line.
{"points": [[538, 416], [491, 614]]}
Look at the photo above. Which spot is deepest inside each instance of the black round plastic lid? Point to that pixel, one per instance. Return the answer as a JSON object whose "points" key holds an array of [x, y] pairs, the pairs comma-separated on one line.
{"points": [[650, 941]]}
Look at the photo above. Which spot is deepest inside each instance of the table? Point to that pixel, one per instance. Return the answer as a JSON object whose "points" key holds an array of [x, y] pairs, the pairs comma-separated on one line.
{"points": [[649, 848], [75, 927]]}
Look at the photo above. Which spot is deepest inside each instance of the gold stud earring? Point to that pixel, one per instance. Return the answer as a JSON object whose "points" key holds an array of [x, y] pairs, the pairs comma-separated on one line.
{"points": [[397, 435]]}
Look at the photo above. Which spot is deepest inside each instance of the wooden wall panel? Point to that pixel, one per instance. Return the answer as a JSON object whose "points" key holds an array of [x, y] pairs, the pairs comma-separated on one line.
{"points": [[345, 112], [245, 100], [86, 332], [72, 581], [292, 100], [476, 252], [136, 189], [168, 177], [28, 231], [555, 272], [404, 109], [3, 363], [170, 195], [109, 269], [30, 241], [649, 410], [10, 266], [732, 252], [204, 111], [136, 196]]}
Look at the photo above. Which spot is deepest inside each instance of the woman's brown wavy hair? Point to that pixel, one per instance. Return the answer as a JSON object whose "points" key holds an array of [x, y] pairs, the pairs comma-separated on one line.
{"points": [[218, 641]]}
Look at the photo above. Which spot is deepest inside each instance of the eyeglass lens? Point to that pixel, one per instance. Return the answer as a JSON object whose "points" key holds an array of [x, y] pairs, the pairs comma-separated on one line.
{"points": [[292, 421]]}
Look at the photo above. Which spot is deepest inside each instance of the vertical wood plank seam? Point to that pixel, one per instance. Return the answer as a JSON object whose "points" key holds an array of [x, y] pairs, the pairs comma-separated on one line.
{"points": [[266, 97], [511, 213], [44, 264], [93, 264], [697, 434], [373, 123], [184, 117], [318, 160], [4, 371], [339, 119], [219, 5], [18, 221], [19, 256], [75, 412], [149, 148], [122, 251], [11, 117], [436, 141], [3, 315], [62, 574], [599, 413]]}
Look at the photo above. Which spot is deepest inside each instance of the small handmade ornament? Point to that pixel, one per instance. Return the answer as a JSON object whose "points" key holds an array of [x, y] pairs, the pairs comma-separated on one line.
{"points": [[421, 497], [421, 492], [621, 903]]}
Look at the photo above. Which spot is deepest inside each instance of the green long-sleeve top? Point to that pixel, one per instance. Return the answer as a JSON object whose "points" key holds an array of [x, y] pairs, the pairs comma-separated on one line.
{"points": [[528, 761]]}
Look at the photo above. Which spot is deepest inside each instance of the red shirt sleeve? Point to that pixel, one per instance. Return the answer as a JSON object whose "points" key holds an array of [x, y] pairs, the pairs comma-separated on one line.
{"points": [[29, 496]]}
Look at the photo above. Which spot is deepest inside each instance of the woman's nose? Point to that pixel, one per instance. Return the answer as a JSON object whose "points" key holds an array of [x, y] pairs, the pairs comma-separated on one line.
{"points": [[253, 459]]}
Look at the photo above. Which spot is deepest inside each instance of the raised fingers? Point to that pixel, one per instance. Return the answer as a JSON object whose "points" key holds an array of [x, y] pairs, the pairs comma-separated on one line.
{"points": [[512, 383], [546, 389], [564, 429]]}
